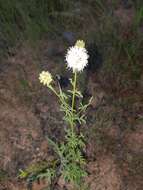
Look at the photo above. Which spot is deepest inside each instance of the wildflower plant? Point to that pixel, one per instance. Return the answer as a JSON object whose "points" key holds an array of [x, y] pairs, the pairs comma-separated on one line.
{"points": [[70, 153], [70, 160]]}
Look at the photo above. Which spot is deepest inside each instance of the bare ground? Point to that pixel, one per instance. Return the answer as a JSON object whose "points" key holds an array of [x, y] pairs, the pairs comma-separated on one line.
{"points": [[29, 113]]}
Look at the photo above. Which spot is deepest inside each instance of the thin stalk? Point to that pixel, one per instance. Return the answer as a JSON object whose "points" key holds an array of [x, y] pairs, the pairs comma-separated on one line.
{"points": [[53, 90], [73, 98]]}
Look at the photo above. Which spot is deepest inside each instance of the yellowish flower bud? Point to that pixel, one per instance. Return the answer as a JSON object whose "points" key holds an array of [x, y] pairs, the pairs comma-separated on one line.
{"points": [[45, 78], [80, 44]]}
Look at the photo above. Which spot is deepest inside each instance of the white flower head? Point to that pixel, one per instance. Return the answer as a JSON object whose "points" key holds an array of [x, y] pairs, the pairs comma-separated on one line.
{"points": [[77, 56], [45, 78]]}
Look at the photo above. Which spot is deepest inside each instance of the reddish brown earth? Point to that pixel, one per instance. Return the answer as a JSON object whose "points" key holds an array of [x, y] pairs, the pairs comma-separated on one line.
{"points": [[29, 113]]}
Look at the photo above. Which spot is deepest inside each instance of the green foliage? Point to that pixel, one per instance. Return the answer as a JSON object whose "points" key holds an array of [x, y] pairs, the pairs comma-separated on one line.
{"points": [[49, 174], [76, 115], [138, 16], [120, 43], [70, 157], [27, 19], [33, 169], [70, 162]]}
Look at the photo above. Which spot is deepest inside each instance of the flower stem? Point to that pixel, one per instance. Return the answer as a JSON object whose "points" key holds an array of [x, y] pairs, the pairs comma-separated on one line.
{"points": [[73, 98], [53, 90]]}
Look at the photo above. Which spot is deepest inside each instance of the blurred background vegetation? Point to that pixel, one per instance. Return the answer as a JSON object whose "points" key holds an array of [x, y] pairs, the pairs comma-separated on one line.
{"points": [[27, 19], [96, 21], [30, 19]]}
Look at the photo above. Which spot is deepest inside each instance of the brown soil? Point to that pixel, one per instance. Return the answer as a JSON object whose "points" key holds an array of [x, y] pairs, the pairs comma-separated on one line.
{"points": [[29, 113]]}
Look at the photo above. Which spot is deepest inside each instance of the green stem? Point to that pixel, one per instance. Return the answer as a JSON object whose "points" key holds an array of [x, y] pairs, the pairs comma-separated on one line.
{"points": [[53, 90], [73, 98]]}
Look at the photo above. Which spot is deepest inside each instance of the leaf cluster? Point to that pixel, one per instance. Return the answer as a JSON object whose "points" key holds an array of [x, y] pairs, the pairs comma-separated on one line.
{"points": [[70, 157], [76, 115]]}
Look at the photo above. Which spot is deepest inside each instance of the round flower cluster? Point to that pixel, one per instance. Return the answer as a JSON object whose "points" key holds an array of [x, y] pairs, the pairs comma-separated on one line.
{"points": [[77, 56], [45, 78]]}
